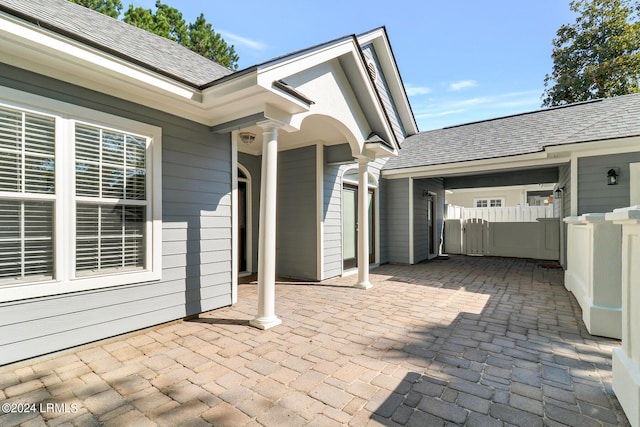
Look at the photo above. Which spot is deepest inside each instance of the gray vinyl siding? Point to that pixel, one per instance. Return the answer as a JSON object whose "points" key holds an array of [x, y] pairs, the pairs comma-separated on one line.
{"points": [[297, 248], [196, 247], [253, 165], [397, 214], [385, 96], [332, 216], [594, 195]]}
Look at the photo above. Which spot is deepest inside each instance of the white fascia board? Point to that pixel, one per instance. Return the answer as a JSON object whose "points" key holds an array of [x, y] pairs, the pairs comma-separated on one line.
{"points": [[597, 148], [247, 94], [485, 165], [378, 150], [299, 62], [221, 93], [55, 45]]}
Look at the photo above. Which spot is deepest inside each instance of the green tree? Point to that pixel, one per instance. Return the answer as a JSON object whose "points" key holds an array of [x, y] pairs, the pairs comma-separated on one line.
{"points": [[107, 7], [168, 22], [598, 56], [204, 40]]}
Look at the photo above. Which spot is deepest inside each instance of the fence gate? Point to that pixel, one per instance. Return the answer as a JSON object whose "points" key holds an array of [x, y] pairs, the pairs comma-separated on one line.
{"points": [[474, 233], [475, 236]]}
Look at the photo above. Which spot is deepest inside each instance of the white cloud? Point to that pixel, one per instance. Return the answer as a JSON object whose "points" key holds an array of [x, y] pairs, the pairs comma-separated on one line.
{"points": [[470, 102], [243, 41], [462, 84], [417, 90], [427, 115]]}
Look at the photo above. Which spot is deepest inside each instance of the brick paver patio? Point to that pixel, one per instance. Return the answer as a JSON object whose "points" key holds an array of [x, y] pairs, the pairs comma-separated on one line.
{"points": [[475, 341]]}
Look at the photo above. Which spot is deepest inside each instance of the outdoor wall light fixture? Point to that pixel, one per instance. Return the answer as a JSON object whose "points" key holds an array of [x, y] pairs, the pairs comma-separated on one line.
{"points": [[247, 137], [557, 194], [612, 176]]}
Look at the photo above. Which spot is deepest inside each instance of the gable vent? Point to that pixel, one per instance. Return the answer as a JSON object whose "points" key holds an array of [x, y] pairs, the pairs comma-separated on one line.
{"points": [[372, 70]]}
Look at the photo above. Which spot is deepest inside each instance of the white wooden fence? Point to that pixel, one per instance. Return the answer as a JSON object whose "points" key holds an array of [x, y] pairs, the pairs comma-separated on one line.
{"points": [[506, 214], [517, 231]]}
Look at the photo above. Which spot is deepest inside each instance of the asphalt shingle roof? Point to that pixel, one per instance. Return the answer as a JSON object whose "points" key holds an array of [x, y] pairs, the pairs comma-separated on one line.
{"points": [[125, 41], [596, 120]]}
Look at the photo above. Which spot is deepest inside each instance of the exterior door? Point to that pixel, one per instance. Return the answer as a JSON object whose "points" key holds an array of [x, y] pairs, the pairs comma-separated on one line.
{"points": [[242, 226], [430, 224], [350, 226]]}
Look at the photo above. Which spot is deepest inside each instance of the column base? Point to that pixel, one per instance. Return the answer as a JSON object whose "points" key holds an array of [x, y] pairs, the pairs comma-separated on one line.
{"points": [[599, 320], [603, 321], [363, 285], [626, 385], [265, 322]]}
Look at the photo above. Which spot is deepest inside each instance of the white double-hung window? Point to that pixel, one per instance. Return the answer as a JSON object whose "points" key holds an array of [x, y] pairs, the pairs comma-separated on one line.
{"points": [[111, 200], [79, 198], [489, 203]]}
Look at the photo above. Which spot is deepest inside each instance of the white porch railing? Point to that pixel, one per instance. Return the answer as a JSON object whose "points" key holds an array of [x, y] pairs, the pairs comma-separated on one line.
{"points": [[626, 359], [603, 271], [503, 214], [594, 248]]}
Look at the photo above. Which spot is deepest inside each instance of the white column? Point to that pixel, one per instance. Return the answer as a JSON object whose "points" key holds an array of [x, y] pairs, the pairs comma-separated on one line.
{"points": [[363, 224], [267, 230]]}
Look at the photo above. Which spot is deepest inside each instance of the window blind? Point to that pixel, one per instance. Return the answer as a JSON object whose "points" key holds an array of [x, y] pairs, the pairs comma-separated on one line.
{"points": [[112, 206], [27, 189]]}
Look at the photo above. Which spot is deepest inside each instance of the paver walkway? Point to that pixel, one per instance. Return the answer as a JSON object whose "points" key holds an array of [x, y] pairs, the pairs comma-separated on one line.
{"points": [[475, 341]]}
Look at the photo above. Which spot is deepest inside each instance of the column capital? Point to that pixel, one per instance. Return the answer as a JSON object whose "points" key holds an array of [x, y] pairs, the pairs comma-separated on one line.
{"points": [[361, 159], [267, 125], [628, 215]]}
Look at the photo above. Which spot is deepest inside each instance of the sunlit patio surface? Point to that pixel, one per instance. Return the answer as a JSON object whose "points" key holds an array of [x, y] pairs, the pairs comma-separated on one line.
{"points": [[465, 340]]}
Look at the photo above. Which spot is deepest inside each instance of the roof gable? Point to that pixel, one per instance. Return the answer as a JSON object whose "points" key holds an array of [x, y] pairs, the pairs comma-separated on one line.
{"points": [[380, 81]]}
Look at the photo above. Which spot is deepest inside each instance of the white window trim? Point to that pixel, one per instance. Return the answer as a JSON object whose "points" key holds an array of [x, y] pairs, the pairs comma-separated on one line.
{"points": [[64, 253], [488, 200]]}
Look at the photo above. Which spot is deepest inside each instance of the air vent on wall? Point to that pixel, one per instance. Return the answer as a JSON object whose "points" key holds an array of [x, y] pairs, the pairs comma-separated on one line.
{"points": [[372, 70]]}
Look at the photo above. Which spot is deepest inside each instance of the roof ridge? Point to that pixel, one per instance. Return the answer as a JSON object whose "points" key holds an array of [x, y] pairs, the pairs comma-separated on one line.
{"points": [[525, 113]]}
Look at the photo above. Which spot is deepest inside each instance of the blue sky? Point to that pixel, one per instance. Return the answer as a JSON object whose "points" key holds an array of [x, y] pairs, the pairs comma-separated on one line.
{"points": [[460, 60]]}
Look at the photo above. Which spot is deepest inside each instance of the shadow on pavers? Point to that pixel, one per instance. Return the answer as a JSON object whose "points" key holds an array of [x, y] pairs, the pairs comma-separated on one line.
{"points": [[521, 360]]}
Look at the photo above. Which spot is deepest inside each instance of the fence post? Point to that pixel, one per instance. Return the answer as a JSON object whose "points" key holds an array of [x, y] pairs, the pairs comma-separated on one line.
{"points": [[626, 359]]}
